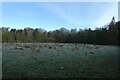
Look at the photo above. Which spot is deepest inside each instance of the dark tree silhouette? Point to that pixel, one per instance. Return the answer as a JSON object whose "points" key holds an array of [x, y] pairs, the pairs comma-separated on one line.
{"points": [[106, 35]]}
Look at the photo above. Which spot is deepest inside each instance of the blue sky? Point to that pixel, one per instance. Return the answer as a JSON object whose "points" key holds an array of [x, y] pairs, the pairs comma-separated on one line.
{"points": [[54, 15]]}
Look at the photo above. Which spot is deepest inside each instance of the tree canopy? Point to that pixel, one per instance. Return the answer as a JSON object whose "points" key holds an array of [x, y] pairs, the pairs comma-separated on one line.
{"points": [[107, 35]]}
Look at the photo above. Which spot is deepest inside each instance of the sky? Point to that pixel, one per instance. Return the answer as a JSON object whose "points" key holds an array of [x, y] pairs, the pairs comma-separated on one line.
{"points": [[55, 15]]}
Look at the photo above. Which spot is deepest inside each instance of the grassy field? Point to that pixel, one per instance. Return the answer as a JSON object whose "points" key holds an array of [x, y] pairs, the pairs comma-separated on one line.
{"points": [[57, 60]]}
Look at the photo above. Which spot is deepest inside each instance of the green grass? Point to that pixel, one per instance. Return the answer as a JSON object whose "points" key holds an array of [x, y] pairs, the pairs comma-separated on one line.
{"points": [[54, 60]]}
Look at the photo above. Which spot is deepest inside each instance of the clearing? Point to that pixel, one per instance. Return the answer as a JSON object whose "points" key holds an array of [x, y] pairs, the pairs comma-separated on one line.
{"points": [[58, 60]]}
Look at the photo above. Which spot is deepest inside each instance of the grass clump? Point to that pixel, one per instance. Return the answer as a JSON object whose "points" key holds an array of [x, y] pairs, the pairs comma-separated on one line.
{"points": [[27, 46], [50, 47]]}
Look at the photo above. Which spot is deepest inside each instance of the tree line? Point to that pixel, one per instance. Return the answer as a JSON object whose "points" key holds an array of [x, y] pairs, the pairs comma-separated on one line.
{"points": [[107, 35]]}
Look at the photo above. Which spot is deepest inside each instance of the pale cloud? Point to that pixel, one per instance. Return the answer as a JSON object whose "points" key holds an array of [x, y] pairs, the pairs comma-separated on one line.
{"points": [[62, 13], [107, 16], [102, 20]]}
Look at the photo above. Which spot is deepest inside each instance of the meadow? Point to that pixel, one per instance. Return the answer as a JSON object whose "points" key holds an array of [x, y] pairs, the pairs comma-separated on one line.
{"points": [[59, 60]]}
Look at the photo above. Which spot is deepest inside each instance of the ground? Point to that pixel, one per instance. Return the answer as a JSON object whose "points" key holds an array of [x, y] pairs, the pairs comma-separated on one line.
{"points": [[58, 60]]}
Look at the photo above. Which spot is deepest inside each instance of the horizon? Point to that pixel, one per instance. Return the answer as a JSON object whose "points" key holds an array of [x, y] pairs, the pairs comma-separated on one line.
{"points": [[55, 15]]}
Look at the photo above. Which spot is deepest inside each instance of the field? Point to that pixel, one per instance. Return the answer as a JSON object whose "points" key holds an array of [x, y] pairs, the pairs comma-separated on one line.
{"points": [[58, 60]]}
